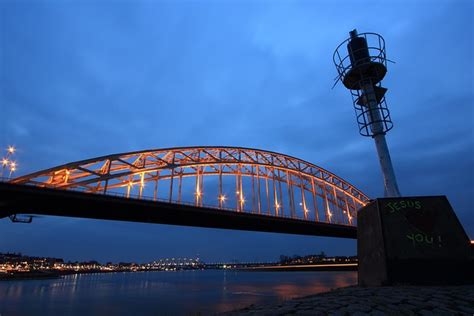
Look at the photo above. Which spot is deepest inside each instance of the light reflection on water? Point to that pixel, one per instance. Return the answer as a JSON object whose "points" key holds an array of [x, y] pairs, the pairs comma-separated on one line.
{"points": [[162, 293]]}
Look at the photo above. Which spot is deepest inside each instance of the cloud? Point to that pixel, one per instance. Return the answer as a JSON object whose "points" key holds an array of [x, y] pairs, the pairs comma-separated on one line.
{"points": [[85, 79]]}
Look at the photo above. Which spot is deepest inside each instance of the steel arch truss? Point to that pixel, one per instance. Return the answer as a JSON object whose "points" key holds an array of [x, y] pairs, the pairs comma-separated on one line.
{"points": [[228, 178]]}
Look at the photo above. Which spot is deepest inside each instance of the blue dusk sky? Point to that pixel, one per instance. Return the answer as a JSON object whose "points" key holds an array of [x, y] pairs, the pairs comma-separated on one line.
{"points": [[81, 79]]}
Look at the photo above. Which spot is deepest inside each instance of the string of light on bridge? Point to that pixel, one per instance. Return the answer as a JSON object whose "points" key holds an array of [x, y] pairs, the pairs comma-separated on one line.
{"points": [[227, 178]]}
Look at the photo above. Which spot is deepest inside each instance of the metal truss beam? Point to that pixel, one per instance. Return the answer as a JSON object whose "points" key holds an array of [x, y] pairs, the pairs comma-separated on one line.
{"points": [[334, 200]]}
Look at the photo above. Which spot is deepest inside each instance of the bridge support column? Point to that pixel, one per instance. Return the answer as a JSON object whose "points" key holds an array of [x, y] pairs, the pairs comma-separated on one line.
{"points": [[412, 240]]}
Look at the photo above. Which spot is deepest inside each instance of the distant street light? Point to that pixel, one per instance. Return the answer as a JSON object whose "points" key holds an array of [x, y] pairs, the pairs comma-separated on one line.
{"points": [[6, 161], [13, 166]]}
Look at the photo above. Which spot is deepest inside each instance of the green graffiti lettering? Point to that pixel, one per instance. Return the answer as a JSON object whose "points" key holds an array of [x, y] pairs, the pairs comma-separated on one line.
{"points": [[424, 239], [392, 209], [403, 204], [412, 238], [419, 237], [395, 205]]}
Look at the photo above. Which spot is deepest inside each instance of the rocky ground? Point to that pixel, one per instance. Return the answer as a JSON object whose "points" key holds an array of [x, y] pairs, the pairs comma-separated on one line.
{"points": [[397, 300]]}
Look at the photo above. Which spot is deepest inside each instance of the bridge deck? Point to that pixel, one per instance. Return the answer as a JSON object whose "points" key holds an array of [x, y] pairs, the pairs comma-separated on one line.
{"points": [[24, 199]]}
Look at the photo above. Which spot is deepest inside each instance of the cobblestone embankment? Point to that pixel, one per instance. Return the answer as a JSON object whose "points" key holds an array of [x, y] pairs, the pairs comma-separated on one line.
{"points": [[398, 300]]}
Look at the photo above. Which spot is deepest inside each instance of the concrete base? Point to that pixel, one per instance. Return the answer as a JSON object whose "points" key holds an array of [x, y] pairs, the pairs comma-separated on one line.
{"points": [[412, 240]]}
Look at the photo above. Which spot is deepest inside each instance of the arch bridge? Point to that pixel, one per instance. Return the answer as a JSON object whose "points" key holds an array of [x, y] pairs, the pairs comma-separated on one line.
{"points": [[249, 183]]}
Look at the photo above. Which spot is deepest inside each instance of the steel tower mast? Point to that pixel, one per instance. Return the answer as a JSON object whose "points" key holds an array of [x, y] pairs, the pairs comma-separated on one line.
{"points": [[361, 70]]}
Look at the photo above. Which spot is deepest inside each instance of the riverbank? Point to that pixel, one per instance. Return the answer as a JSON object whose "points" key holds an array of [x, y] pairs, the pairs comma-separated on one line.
{"points": [[396, 300], [49, 274], [305, 267], [53, 274], [30, 275]]}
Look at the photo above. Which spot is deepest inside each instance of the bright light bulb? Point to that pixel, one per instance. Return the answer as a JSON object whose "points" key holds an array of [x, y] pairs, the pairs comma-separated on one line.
{"points": [[5, 161], [11, 149]]}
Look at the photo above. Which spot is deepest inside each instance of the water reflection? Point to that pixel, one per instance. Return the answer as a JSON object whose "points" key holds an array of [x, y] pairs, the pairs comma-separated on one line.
{"points": [[151, 293]]}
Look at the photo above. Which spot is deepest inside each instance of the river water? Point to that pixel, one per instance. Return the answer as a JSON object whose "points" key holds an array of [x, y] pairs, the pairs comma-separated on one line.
{"points": [[162, 293]]}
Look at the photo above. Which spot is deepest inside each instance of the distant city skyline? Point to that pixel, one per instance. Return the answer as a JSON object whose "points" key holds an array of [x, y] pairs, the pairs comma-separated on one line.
{"points": [[86, 79]]}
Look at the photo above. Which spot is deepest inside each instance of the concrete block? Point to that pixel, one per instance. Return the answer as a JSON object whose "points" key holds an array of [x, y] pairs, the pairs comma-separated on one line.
{"points": [[412, 240]]}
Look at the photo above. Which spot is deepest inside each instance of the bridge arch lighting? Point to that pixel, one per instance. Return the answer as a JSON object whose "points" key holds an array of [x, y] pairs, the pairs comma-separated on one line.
{"points": [[265, 182]]}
